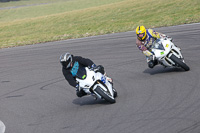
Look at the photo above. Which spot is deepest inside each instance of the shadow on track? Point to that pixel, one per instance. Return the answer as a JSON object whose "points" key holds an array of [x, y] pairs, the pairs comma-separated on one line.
{"points": [[88, 100], [161, 69]]}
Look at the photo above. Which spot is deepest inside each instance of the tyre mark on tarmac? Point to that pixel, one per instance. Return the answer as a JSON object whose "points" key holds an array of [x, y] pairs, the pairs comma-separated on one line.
{"points": [[42, 88]]}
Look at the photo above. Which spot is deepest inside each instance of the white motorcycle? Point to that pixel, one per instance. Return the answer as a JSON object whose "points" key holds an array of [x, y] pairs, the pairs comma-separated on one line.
{"points": [[96, 84], [167, 54]]}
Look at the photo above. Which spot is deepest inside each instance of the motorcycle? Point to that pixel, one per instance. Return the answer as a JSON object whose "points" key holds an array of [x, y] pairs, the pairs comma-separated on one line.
{"points": [[168, 54], [96, 84]]}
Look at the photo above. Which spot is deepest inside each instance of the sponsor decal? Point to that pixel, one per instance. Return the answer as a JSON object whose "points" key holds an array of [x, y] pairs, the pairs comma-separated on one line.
{"points": [[103, 79], [167, 45], [161, 53], [83, 76]]}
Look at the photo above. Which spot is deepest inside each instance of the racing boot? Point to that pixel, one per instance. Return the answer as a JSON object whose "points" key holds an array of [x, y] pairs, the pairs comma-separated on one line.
{"points": [[152, 63], [80, 93]]}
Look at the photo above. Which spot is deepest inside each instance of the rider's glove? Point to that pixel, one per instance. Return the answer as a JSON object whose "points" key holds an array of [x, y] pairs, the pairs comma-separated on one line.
{"points": [[98, 68], [92, 67]]}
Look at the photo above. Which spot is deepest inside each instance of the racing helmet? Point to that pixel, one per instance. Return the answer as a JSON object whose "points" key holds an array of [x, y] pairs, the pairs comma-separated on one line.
{"points": [[141, 33], [65, 60]]}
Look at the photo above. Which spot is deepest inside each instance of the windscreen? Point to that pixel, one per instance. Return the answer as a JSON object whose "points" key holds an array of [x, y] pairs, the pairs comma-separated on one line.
{"points": [[157, 44]]}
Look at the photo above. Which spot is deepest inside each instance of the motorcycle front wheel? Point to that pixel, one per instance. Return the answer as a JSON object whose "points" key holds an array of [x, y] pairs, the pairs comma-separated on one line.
{"points": [[179, 62], [104, 95]]}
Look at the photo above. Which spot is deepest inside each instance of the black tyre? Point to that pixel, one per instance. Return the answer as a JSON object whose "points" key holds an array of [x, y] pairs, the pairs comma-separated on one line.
{"points": [[179, 62], [115, 92], [105, 95]]}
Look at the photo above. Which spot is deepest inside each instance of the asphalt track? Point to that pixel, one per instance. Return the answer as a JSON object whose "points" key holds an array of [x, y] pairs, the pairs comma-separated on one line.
{"points": [[35, 98]]}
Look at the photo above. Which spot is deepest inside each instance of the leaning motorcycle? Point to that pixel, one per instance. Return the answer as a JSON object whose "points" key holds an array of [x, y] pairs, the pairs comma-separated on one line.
{"points": [[96, 84], [168, 54]]}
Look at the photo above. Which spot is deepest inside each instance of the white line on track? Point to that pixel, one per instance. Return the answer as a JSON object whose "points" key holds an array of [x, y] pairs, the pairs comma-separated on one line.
{"points": [[2, 127]]}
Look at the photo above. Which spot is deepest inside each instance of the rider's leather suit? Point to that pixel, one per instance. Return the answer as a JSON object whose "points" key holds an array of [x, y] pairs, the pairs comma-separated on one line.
{"points": [[146, 44]]}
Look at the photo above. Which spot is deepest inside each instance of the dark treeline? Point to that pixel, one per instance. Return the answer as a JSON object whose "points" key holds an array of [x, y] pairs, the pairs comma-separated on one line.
{"points": [[8, 0]]}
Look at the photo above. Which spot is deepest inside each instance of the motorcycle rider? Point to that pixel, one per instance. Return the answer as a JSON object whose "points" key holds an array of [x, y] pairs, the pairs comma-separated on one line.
{"points": [[145, 38], [70, 67]]}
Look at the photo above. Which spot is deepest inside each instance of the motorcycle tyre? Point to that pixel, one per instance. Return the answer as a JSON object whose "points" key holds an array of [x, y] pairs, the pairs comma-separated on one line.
{"points": [[104, 95], [179, 62], [115, 92]]}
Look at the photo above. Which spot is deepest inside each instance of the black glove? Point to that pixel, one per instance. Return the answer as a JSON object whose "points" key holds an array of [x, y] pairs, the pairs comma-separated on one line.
{"points": [[92, 67]]}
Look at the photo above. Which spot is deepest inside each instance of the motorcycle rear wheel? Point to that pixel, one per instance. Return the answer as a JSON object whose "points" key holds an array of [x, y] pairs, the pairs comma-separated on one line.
{"points": [[179, 62], [104, 95]]}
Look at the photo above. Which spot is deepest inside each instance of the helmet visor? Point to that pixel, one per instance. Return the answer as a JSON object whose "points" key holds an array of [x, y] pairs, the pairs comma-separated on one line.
{"points": [[141, 35], [68, 63]]}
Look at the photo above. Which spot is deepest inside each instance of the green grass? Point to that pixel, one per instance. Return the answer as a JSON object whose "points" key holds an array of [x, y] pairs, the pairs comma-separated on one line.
{"points": [[28, 2], [81, 18]]}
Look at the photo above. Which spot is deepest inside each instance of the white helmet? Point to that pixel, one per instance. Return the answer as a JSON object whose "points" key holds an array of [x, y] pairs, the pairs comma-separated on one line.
{"points": [[66, 60]]}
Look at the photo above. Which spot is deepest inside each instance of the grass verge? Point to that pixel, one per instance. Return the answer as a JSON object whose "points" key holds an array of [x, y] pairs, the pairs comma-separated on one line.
{"points": [[82, 18]]}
